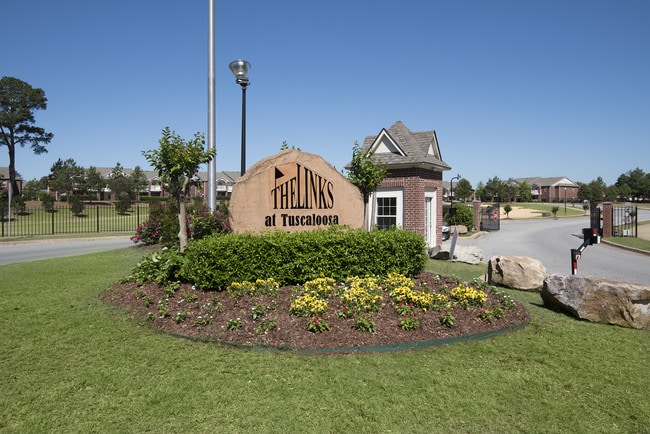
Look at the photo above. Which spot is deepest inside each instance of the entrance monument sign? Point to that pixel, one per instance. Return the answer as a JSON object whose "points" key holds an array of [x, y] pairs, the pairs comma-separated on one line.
{"points": [[294, 191]]}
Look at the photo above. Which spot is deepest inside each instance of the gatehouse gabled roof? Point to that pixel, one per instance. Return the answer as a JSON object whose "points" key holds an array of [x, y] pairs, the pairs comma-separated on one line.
{"points": [[399, 147]]}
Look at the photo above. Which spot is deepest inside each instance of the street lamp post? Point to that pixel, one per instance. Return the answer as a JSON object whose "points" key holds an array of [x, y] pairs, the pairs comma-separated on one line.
{"points": [[564, 200], [240, 69], [451, 188]]}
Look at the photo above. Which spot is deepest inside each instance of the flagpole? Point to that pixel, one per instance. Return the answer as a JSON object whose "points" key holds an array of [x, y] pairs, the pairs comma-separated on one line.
{"points": [[212, 164]]}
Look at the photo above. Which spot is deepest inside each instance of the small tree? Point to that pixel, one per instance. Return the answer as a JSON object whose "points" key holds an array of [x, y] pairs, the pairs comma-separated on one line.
{"points": [[462, 216], [123, 204], [18, 205], [77, 205], [93, 181], [32, 188], [65, 176], [463, 189], [554, 210], [507, 210], [366, 174], [177, 161], [47, 202], [138, 181], [119, 182], [524, 192]]}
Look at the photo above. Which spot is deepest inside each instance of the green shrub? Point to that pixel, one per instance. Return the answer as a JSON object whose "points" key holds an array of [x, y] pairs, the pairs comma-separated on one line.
{"points": [[463, 216], [294, 258], [123, 204], [77, 205], [204, 223], [47, 202], [160, 267], [165, 213], [147, 233]]}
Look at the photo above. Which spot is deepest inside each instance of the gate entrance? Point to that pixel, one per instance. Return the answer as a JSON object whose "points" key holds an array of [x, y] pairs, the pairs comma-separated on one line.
{"points": [[491, 217], [624, 222]]}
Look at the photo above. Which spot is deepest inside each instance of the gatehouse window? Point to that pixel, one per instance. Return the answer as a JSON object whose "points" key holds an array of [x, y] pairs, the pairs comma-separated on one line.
{"points": [[389, 209]]}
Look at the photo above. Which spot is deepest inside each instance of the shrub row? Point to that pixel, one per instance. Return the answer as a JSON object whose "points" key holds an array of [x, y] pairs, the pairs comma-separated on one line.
{"points": [[294, 258]]}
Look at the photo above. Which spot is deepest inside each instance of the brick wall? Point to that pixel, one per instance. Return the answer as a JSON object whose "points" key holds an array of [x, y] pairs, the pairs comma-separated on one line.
{"points": [[414, 182]]}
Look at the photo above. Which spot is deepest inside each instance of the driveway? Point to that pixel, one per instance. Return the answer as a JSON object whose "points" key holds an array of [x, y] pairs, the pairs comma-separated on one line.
{"points": [[551, 240]]}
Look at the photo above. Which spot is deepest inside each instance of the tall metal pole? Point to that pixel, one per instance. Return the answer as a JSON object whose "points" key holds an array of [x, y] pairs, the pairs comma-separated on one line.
{"points": [[240, 68], [212, 128], [243, 128]]}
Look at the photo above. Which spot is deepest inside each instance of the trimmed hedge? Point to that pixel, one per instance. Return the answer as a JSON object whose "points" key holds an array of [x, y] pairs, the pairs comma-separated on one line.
{"points": [[294, 258]]}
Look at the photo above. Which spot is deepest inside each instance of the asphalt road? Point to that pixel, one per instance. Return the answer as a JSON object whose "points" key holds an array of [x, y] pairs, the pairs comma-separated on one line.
{"points": [[548, 240], [11, 252], [551, 240]]}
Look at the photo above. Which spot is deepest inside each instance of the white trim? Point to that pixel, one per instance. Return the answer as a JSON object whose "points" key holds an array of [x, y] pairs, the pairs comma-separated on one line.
{"points": [[431, 230], [396, 192], [384, 144]]}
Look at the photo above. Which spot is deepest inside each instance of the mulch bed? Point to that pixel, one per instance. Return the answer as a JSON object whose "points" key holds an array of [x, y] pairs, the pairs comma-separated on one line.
{"points": [[291, 331]]}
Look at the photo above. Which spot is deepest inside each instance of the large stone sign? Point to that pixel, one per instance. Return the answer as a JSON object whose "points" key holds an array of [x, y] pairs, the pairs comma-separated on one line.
{"points": [[294, 191]]}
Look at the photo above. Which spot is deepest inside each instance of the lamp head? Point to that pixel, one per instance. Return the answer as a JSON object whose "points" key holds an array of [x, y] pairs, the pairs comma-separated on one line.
{"points": [[240, 69]]}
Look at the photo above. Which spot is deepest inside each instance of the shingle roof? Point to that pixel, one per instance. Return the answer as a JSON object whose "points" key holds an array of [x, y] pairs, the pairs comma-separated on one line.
{"points": [[399, 147], [557, 181]]}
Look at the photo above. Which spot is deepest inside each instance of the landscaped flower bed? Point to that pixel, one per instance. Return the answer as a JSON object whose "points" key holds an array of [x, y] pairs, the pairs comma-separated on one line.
{"points": [[323, 313]]}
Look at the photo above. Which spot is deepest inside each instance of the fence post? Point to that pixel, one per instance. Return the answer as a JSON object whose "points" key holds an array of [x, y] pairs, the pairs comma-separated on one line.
{"points": [[97, 214], [476, 207], [608, 220], [52, 214]]}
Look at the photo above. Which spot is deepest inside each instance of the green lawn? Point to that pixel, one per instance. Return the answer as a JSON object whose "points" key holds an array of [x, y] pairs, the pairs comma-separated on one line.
{"points": [[70, 364], [572, 210]]}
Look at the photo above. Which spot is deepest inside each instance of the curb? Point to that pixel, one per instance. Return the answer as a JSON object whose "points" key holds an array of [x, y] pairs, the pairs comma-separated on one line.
{"points": [[631, 249], [387, 348]]}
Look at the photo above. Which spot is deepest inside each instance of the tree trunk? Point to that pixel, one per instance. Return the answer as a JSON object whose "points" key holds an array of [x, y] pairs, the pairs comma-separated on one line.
{"points": [[182, 216], [12, 168]]}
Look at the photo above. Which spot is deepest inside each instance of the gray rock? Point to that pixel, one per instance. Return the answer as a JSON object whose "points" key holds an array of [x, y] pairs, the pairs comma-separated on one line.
{"points": [[439, 251], [468, 254], [516, 272], [599, 300]]}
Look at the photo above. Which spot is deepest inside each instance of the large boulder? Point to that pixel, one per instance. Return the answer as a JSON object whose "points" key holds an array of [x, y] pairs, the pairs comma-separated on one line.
{"points": [[599, 300], [516, 272]]}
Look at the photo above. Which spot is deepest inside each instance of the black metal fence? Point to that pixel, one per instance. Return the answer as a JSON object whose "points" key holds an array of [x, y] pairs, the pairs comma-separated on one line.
{"points": [[95, 218], [491, 217], [624, 221]]}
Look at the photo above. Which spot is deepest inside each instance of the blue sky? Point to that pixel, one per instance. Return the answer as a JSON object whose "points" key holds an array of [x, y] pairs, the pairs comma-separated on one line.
{"points": [[513, 88]]}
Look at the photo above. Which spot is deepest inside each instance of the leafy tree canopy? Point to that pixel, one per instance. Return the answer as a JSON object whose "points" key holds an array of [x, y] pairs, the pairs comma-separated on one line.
{"points": [[365, 172], [463, 189], [18, 101], [65, 176]]}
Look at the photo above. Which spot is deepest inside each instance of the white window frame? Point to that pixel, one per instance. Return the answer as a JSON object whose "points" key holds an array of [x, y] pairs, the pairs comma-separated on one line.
{"points": [[397, 193]]}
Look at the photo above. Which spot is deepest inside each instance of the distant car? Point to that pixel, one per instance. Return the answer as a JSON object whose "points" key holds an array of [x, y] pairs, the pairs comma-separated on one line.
{"points": [[445, 233]]}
